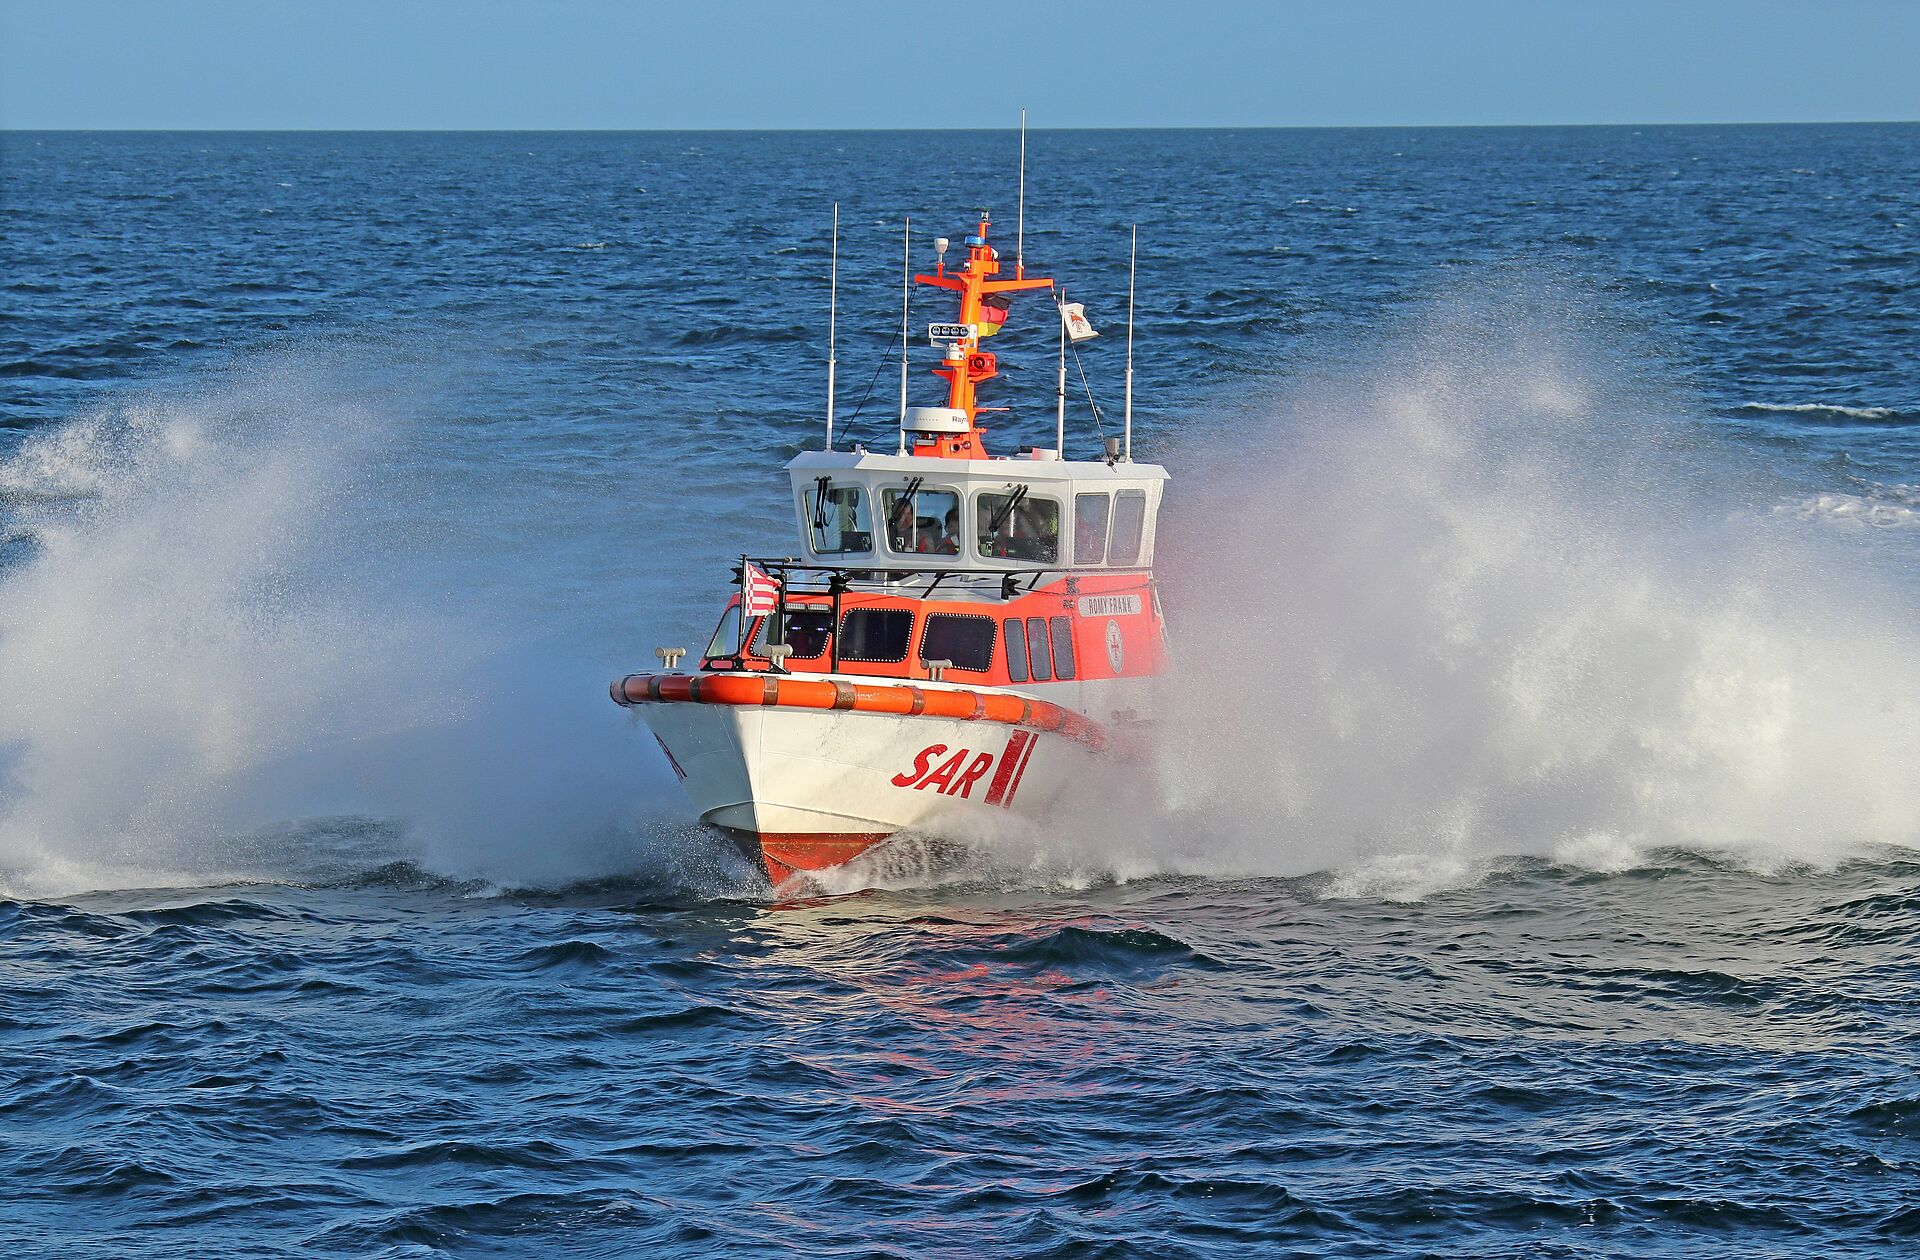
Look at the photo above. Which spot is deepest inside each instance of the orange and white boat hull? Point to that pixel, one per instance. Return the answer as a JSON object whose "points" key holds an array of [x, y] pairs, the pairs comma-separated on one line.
{"points": [[807, 789]]}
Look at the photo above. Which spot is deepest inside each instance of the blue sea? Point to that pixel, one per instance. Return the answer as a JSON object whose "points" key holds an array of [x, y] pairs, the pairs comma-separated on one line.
{"points": [[1527, 862]]}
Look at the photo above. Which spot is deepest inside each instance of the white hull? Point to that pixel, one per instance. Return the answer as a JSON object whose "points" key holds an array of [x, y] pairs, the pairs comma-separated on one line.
{"points": [[845, 780]]}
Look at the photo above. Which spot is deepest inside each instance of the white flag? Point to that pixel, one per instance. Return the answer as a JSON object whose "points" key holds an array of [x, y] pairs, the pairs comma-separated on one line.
{"points": [[1078, 329]]}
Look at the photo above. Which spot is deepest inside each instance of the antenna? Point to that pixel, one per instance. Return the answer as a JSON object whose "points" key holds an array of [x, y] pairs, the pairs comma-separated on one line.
{"points": [[833, 307], [1060, 406], [906, 291], [1132, 256], [1020, 217]]}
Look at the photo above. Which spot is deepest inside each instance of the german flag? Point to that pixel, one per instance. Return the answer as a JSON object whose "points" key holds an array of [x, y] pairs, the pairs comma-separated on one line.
{"points": [[993, 312]]}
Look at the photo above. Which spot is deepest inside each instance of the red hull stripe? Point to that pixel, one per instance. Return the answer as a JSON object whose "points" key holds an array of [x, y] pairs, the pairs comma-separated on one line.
{"points": [[1009, 762], [1021, 773]]}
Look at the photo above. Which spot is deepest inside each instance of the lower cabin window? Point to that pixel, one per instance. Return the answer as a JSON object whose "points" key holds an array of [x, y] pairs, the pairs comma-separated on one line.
{"points": [[876, 634], [964, 639], [807, 631], [1016, 651], [1062, 647], [1037, 656]]}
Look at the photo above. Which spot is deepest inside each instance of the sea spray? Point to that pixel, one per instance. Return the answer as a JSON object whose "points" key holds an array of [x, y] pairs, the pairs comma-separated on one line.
{"points": [[240, 620], [1488, 597], [1486, 592]]}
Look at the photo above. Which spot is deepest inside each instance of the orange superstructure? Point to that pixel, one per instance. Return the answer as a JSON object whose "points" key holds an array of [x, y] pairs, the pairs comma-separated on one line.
{"points": [[966, 366]]}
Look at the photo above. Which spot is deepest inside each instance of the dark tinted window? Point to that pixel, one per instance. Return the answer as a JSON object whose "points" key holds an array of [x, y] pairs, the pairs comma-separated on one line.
{"points": [[1129, 522], [1016, 650], [806, 633], [964, 640], [1037, 649], [875, 634], [1062, 647]]}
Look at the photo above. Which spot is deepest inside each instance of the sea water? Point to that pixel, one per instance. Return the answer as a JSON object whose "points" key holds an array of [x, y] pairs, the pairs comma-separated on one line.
{"points": [[1526, 864]]}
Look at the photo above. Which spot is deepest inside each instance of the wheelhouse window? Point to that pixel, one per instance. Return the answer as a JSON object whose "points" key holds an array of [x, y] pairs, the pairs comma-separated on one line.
{"points": [[964, 639], [806, 632], [876, 634], [1129, 524], [1015, 525], [838, 521], [1090, 513], [921, 522], [1016, 651]]}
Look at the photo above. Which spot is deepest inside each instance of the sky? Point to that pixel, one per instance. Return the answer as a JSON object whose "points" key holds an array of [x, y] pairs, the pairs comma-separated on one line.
{"points": [[563, 64]]}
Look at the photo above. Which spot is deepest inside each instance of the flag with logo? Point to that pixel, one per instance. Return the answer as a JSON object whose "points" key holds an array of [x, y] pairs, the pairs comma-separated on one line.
{"points": [[759, 591], [1078, 327]]}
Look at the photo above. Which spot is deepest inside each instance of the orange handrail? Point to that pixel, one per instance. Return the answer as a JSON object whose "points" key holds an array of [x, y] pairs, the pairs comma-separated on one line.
{"points": [[769, 691]]}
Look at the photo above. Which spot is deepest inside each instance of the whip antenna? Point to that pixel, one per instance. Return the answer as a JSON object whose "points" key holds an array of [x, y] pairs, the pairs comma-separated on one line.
{"points": [[833, 308], [1133, 255], [1020, 215], [1060, 390], [906, 291]]}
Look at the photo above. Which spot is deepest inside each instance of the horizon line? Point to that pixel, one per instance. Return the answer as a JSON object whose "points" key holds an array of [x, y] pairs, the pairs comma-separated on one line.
{"points": [[1483, 126]]}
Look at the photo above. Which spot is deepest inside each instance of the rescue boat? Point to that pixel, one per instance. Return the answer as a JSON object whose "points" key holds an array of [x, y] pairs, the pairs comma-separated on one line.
{"points": [[960, 632]]}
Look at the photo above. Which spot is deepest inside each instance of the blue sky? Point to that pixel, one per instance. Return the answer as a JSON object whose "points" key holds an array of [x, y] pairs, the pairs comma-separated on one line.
{"points": [[1072, 63]]}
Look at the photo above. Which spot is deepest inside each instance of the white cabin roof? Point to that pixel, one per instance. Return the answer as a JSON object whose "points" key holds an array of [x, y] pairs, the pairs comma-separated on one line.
{"points": [[997, 470]]}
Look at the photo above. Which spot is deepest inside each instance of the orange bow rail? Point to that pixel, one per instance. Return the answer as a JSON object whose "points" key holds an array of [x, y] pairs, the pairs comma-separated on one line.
{"points": [[767, 691]]}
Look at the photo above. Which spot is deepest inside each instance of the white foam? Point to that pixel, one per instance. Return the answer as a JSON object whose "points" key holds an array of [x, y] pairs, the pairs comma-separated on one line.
{"points": [[1886, 507], [1828, 409]]}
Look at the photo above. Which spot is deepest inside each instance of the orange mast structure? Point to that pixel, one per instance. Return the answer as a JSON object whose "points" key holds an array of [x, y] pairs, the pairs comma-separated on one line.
{"points": [[966, 365]]}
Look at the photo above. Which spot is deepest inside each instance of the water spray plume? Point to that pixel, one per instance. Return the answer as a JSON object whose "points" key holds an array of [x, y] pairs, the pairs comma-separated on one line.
{"points": [[1479, 599]]}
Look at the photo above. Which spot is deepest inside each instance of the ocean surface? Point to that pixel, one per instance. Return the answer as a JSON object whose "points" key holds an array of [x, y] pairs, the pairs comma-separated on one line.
{"points": [[1528, 863]]}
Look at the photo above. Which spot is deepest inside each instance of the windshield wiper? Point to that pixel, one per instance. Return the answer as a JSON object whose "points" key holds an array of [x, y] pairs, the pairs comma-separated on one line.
{"points": [[903, 511], [820, 487], [1013, 501]]}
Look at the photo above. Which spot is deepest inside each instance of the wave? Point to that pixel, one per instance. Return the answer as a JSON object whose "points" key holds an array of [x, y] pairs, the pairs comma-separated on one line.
{"points": [[1892, 507], [1831, 412]]}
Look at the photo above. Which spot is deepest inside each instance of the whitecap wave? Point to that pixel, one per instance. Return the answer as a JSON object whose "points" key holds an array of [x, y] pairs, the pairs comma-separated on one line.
{"points": [[1883, 507], [1823, 410]]}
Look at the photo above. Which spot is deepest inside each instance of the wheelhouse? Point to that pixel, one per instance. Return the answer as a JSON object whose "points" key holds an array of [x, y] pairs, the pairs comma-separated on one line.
{"points": [[985, 515]]}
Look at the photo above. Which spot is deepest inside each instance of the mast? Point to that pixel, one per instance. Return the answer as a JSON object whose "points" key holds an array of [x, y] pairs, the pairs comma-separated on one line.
{"points": [[966, 366], [833, 310]]}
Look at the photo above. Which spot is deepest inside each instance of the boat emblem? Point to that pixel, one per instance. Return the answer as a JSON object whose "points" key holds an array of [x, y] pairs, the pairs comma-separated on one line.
{"points": [[1116, 647], [953, 773]]}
